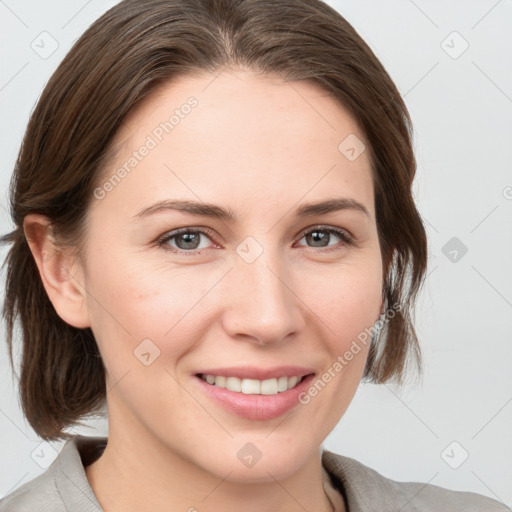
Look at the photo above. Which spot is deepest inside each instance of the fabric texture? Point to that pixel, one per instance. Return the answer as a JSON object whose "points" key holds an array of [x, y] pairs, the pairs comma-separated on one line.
{"points": [[64, 487]]}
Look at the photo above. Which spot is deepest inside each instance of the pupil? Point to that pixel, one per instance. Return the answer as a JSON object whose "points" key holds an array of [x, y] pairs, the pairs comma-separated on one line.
{"points": [[190, 241], [318, 236]]}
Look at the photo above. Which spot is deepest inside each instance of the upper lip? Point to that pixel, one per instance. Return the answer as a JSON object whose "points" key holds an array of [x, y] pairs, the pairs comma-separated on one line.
{"points": [[252, 372]]}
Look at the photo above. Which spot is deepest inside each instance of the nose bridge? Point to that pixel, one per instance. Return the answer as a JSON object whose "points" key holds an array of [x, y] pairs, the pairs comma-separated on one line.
{"points": [[262, 305]]}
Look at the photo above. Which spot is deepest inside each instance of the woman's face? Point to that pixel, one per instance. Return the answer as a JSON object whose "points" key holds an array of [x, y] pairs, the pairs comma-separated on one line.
{"points": [[261, 286]]}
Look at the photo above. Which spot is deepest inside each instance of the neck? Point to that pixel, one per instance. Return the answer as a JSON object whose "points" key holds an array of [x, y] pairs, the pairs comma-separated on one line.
{"points": [[145, 475]]}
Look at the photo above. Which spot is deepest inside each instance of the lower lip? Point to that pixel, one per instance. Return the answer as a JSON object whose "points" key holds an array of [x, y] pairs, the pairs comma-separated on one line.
{"points": [[256, 407]]}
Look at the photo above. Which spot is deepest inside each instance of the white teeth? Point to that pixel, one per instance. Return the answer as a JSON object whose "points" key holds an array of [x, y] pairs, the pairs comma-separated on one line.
{"points": [[253, 386], [269, 387], [282, 384], [219, 381], [234, 384]]}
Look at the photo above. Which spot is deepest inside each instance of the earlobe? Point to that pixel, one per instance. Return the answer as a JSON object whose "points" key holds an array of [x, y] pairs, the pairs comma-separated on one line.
{"points": [[60, 273]]}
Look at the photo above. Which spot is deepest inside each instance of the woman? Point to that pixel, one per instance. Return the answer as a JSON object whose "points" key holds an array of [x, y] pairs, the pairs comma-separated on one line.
{"points": [[216, 235]]}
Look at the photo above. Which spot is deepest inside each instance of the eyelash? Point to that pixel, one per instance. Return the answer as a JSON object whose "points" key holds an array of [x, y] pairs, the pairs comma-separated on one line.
{"points": [[345, 237]]}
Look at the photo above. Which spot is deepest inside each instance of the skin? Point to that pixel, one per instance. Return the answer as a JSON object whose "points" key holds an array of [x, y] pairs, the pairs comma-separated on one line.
{"points": [[260, 147]]}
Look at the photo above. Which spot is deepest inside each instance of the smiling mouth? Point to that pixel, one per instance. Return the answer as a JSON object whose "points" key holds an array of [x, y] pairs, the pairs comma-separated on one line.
{"points": [[253, 386]]}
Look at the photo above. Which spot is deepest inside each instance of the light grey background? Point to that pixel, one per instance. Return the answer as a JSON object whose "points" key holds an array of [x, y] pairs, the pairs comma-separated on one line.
{"points": [[461, 105]]}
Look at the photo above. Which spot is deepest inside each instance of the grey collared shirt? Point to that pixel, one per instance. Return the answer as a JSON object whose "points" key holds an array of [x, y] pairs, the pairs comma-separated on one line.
{"points": [[64, 487]]}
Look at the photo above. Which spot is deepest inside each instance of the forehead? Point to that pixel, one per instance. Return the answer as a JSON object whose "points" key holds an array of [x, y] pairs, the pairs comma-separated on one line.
{"points": [[253, 137]]}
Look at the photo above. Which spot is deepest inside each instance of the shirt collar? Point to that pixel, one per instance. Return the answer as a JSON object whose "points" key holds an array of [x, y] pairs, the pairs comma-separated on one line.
{"points": [[70, 477], [364, 489]]}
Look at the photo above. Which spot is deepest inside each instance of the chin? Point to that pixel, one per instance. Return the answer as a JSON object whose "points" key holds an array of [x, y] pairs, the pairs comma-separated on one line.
{"points": [[254, 459]]}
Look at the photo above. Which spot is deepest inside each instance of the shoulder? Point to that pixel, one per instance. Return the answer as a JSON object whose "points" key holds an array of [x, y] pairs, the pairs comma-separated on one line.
{"points": [[40, 494], [63, 486], [368, 490], [418, 496]]}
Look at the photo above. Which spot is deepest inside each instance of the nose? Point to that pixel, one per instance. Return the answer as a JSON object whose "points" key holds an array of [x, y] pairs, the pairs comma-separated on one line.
{"points": [[262, 304]]}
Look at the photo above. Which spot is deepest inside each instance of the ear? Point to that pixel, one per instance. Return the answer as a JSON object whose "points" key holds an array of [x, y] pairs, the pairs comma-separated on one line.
{"points": [[61, 274]]}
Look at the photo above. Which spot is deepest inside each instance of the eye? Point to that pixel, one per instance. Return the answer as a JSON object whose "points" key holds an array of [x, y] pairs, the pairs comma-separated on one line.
{"points": [[185, 240], [192, 241], [321, 236]]}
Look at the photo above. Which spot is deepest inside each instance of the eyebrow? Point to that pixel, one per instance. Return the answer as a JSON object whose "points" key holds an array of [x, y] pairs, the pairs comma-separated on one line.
{"points": [[227, 214]]}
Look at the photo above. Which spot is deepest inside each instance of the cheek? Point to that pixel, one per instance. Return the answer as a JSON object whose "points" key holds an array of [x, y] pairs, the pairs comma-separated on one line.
{"points": [[133, 301], [346, 298]]}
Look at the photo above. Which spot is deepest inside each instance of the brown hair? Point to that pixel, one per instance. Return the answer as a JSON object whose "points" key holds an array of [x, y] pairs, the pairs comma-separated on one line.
{"points": [[123, 57]]}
